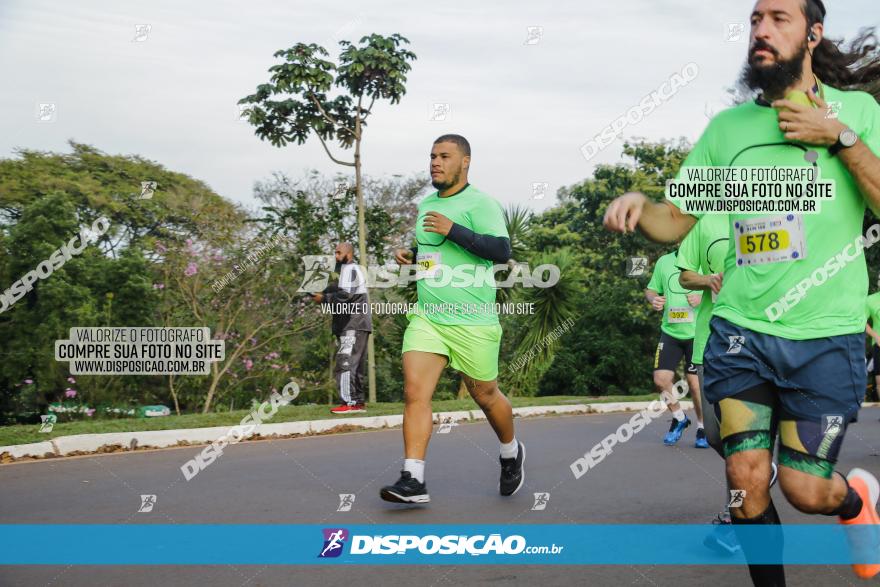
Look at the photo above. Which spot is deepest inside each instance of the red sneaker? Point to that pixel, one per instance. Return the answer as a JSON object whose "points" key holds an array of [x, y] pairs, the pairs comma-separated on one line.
{"points": [[865, 542], [347, 409]]}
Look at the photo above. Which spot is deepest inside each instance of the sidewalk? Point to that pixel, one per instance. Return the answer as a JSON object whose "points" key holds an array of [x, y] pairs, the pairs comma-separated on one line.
{"points": [[82, 444]]}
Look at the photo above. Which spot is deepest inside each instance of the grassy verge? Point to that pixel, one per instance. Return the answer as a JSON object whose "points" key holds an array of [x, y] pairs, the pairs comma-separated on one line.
{"points": [[23, 434]]}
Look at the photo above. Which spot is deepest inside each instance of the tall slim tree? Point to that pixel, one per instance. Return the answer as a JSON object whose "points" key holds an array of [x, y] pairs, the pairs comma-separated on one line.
{"points": [[296, 103]]}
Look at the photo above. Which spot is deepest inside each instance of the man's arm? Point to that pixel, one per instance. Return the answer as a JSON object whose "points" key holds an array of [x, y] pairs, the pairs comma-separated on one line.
{"points": [[328, 295], [406, 256], [337, 294], [493, 248], [351, 281], [691, 280], [812, 126], [655, 299], [864, 166], [660, 222], [872, 333], [695, 281]]}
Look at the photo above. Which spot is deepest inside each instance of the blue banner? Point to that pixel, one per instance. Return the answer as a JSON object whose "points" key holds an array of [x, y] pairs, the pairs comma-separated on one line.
{"points": [[441, 544]]}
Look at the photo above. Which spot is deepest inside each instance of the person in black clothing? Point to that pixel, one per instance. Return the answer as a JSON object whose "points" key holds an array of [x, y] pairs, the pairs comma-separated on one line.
{"points": [[352, 323]]}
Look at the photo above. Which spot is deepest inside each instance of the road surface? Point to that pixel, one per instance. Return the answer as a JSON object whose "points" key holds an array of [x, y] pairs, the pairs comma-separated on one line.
{"points": [[298, 481]]}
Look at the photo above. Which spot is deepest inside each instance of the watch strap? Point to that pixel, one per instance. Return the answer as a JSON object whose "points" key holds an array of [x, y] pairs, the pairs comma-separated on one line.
{"points": [[834, 149]]}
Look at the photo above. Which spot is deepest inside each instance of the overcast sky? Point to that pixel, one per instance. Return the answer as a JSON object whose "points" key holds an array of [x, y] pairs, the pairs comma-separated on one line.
{"points": [[526, 105]]}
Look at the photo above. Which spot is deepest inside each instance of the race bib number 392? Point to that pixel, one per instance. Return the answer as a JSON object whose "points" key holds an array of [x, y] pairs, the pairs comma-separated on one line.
{"points": [[680, 315], [769, 239]]}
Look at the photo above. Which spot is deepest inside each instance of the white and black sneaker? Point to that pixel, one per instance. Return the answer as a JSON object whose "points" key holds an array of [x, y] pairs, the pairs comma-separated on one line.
{"points": [[406, 490], [512, 472]]}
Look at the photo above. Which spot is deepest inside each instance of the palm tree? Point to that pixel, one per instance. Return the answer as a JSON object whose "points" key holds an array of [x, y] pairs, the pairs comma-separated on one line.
{"points": [[555, 309], [553, 306]]}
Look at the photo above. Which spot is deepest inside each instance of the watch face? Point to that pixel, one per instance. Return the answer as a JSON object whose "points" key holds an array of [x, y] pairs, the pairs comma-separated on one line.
{"points": [[848, 137]]}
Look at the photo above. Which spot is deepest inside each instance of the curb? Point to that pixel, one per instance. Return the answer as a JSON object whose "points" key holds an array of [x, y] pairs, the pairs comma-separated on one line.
{"points": [[80, 444]]}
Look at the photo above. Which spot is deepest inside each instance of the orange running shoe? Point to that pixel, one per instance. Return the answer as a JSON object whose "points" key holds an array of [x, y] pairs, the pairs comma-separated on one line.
{"points": [[347, 409], [865, 542]]}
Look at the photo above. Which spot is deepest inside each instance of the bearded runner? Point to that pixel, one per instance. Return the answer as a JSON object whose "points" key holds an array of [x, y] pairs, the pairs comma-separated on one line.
{"points": [[803, 367]]}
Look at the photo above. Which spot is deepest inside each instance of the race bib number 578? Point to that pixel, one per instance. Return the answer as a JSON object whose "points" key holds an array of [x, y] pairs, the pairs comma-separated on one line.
{"points": [[769, 239]]}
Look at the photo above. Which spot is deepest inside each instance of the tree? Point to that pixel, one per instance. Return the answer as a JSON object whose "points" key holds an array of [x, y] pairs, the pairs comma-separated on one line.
{"points": [[295, 104], [610, 347], [553, 305], [255, 311], [45, 199], [315, 214]]}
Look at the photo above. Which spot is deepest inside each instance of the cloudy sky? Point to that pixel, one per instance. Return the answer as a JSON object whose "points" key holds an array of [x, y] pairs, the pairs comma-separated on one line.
{"points": [[526, 102]]}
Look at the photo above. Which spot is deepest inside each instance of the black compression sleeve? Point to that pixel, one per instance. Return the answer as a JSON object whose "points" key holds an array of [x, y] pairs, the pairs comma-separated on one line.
{"points": [[493, 248]]}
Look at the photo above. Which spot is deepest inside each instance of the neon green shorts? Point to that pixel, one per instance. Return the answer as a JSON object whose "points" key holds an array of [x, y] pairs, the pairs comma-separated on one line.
{"points": [[473, 350]]}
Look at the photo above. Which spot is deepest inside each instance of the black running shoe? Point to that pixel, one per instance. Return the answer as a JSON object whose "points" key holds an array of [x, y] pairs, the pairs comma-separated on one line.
{"points": [[701, 441], [406, 490], [512, 472]]}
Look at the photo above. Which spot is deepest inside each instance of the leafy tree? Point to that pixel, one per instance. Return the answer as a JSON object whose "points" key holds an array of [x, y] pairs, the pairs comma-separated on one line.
{"points": [[46, 199], [255, 312], [610, 347]]}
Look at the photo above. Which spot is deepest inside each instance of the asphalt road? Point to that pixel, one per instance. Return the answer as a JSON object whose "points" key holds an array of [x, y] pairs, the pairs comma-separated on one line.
{"points": [[298, 481]]}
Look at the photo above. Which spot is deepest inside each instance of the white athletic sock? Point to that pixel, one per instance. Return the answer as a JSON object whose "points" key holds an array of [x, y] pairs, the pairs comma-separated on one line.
{"points": [[699, 423], [416, 468], [508, 450], [678, 414]]}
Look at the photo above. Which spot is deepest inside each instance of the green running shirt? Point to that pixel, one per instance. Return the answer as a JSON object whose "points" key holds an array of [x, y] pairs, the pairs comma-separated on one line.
{"points": [[748, 135], [439, 299]]}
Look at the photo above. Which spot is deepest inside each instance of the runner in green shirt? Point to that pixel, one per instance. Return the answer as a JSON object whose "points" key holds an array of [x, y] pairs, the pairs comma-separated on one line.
{"points": [[676, 342], [460, 233], [786, 342], [701, 261], [705, 243]]}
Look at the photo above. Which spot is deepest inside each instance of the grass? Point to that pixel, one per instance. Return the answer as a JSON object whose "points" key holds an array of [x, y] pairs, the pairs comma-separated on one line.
{"points": [[27, 433]]}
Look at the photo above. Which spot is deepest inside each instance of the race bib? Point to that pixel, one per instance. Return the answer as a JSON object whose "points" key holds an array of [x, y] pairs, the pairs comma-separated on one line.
{"points": [[429, 264], [680, 315], [769, 239]]}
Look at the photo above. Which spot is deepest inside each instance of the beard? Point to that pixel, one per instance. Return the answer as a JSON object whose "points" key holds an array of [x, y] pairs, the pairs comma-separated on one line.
{"points": [[773, 79], [345, 260], [442, 185]]}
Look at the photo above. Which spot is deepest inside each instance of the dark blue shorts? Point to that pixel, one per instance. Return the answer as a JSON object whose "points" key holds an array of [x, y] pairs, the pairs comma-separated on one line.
{"points": [[813, 377]]}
